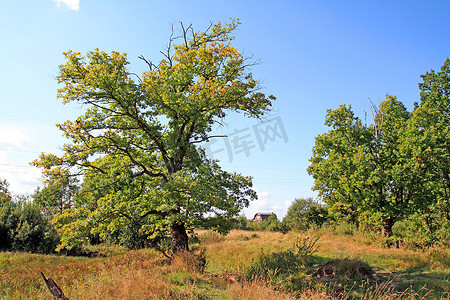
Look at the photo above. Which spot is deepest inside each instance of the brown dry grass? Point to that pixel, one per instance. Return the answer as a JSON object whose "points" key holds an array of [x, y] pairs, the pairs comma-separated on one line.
{"points": [[145, 274], [384, 258], [257, 290], [239, 249], [127, 276]]}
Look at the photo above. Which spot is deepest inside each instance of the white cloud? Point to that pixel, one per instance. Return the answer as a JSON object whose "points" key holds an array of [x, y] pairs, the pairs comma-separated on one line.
{"points": [[260, 204], [12, 138], [22, 178], [71, 4], [281, 210], [264, 194], [264, 205], [15, 144]]}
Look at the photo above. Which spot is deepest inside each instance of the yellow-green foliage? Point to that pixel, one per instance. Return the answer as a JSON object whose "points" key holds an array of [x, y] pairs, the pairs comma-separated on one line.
{"points": [[136, 143]]}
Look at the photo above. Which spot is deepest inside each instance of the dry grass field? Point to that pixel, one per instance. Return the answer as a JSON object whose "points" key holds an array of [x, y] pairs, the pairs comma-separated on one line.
{"points": [[241, 265]]}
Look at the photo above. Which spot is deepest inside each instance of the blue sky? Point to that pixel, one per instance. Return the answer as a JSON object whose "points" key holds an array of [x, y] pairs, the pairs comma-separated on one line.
{"points": [[314, 55]]}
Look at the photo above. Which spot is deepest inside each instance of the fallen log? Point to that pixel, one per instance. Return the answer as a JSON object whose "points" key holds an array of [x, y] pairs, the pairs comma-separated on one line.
{"points": [[54, 289]]}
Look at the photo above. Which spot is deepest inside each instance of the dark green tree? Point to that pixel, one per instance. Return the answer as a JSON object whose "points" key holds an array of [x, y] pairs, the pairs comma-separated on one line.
{"points": [[5, 194], [336, 163], [387, 197], [426, 145], [22, 225], [358, 168]]}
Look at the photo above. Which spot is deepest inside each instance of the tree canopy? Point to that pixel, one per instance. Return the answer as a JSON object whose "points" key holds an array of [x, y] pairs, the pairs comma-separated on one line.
{"points": [[397, 166], [304, 213], [137, 144]]}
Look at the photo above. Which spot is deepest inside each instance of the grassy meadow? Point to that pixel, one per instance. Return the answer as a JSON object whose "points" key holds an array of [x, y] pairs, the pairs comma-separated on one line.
{"points": [[240, 265]]}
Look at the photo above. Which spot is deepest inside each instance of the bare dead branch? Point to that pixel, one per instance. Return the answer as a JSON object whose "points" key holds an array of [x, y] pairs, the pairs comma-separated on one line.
{"points": [[137, 76], [185, 31], [149, 63]]}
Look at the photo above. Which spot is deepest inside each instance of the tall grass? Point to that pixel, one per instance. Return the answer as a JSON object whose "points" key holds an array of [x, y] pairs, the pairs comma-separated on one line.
{"points": [[402, 267], [218, 272]]}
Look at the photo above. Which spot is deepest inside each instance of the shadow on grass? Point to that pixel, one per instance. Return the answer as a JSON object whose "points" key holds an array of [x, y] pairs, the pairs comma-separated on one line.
{"points": [[435, 284], [296, 273]]}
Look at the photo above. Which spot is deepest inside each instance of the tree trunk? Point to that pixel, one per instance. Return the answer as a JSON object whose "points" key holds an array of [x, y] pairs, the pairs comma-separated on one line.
{"points": [[179, 237], [386, 231]]}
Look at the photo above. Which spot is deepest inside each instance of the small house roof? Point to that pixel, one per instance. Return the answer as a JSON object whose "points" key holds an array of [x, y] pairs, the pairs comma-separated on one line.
{"points": [[262, 216]]}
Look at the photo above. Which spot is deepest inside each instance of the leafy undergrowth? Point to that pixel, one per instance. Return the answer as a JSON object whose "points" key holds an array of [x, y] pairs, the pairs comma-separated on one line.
{"points": [[241, 265]]}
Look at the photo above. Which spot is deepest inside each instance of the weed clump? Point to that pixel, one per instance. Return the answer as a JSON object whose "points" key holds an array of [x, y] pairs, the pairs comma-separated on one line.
{"points": [[285, 268], [211, 237], [189, 261]]}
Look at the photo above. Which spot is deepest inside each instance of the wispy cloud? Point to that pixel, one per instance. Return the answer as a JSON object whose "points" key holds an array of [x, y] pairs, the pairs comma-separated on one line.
{"points": [[13, 138], [264, 205], [14, 143], [71, 4], [260, 205], [263, 194]]}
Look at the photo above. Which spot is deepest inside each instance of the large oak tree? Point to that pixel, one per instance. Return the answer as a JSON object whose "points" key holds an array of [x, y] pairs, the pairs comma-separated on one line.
{"points": [[137, 142]]}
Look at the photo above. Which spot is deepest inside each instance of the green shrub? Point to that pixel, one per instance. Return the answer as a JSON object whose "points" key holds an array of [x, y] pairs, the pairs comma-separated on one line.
{"points": [[305, 213], [344, 228], [268, 267], [254, 235], [370, 221], [305, 247], [242, 223], [423, 230], [24, 228], [270, 224]]}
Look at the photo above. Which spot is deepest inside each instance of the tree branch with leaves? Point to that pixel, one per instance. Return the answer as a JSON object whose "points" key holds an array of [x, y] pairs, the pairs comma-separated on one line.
{"points": [[145, 132]]}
